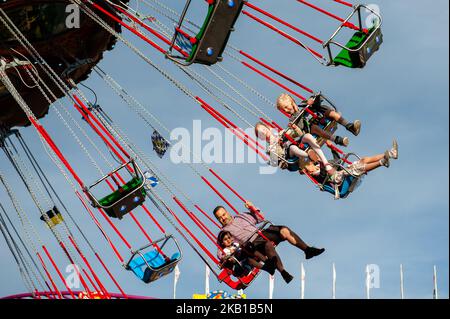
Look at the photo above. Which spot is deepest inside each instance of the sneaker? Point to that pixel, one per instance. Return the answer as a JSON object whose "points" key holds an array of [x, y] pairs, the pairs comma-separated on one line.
{"points": [[343, 141], [354, 127], [386, 160], [311, 252], [286, 276], [393, 153]]}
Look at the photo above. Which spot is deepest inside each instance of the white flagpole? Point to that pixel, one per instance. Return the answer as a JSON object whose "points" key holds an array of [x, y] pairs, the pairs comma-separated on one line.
{"points": [[302, 279], [207, 273], [334, 281], [175, 281], [271, 285], [435, 287], [367, 282], [402, 293]]}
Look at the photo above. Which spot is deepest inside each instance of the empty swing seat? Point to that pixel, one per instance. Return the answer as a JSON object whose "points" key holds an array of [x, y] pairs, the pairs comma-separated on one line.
{"points": [[210, 42], [52, 217], [360, 48], [153, 266], [125, 199]]}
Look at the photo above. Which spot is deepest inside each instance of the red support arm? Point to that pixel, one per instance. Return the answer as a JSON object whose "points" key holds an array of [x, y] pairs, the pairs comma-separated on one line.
{"points": [[273, 80], [284, 34], [346, 24], [276, 72], [250, 5]]}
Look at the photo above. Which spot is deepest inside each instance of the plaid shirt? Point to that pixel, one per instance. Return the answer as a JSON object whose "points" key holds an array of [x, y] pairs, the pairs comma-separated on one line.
{"points": [[243, 228]]}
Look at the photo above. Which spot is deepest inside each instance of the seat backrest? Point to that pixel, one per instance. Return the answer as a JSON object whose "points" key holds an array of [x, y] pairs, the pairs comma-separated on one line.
{"points": [[344, 188], [215, 32]]}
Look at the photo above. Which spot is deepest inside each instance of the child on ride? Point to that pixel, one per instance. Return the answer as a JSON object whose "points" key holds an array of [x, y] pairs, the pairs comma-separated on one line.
{"points": [[283, 149], [287, 105], [231, 248], [355, 169]]}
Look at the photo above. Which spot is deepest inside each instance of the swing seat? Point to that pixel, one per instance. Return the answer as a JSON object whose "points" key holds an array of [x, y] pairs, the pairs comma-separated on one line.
{"points": [[246, 275], [226, 276], [125, 199], [359, 49], [159, 267], [347, 187], [293, 165], [212, 39], [54, 217], [326, 125], [153, 265]]}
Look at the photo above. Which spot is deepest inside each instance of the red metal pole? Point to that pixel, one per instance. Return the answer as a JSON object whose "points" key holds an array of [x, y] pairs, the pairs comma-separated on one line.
{"points": [[207, 216], [227, 185], [220, 195], [277, 126], [283, 22], [335, 148], [310, 177], [205, 229], [58, 153], [83, 282], [111, 276], [102, 127], [214, 259], [346, 24], [270, 125], [276, 72], [208, 109], [86, 262], [58, 271], [155, 33], [284, 34], [273, 81], [231, 123], [99, 226], [344, 3], [153, 219], [118, 20], [55, 288]]}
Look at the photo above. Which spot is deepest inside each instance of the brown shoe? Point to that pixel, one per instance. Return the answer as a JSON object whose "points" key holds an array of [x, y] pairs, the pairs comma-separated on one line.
{"points": [[355, 127]]}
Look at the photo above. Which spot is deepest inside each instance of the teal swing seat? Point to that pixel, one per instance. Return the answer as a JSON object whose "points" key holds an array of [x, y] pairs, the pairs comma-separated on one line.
{"points": [[153, 265]]}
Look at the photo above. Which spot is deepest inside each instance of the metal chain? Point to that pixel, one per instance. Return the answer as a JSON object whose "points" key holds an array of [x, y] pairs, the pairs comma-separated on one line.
{"points": [[23, 244], [14, 249]]}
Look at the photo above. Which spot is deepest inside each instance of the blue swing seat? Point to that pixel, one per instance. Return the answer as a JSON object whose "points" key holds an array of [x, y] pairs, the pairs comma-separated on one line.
{"points": [[346, 188], [159, 267]]}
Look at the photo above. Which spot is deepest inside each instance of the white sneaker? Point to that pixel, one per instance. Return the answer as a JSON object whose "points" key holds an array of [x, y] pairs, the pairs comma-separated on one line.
{"points": [[393, 153]]}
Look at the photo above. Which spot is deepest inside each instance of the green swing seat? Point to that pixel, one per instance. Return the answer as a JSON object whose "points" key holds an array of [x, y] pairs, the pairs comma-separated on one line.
{"points": [[359, 49], [125, 199]]}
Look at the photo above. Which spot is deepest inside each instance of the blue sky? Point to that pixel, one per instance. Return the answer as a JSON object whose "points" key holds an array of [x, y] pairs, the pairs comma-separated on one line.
{"points": [[398, 216]]}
